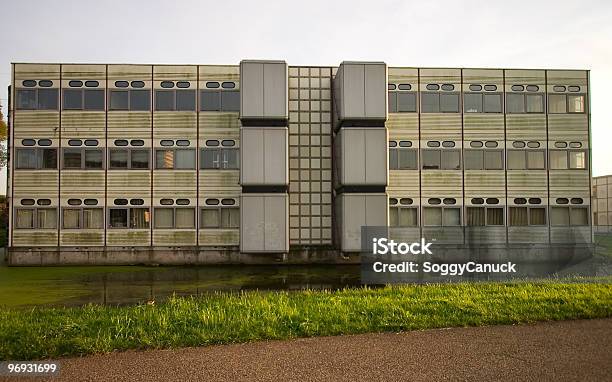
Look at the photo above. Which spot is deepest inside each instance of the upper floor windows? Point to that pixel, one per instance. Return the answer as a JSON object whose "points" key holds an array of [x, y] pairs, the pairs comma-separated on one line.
{"points": [[482, 102], [526, 159], [441, 159], [37, 99], [36, 218], [175, 100], [82, 158], [402, 101], [36, 158], [219, 100], [225, 157], [439, 102], [128, 159], [130, 99], [402, 156], [483, 159], [83, 99], [568, 159], [520, 102], [566, 103], [177, 159]]}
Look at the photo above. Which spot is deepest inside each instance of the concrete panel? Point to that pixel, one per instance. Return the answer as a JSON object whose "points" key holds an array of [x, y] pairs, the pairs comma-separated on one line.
{"points": [[362, 156], [355, 211], [264, 223], [353, 92], [376, 91], [376, 156], [263, 92], [361, 91], [264, 159]]}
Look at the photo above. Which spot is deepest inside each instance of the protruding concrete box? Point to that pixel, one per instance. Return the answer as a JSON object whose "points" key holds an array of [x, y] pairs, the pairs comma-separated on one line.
{"points": [[361, 157], [360, 92], [356, 210], [264, 225], [263, 90], [264, 159]]}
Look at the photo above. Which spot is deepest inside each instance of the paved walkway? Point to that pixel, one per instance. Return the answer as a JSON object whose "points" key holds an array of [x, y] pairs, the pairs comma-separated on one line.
{"points": [[557, 351]]}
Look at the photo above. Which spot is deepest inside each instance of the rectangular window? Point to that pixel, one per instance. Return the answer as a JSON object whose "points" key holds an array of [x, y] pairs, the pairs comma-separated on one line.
{"points": [[185, 100], [517, 160], [575, 103], [133, 100], [179, 159], [473, 159], [558, 160], [535, 103], [495, 216], [209, 218], [579, 216], [452, 216], [472, 103], [432, 216], [441, 216], [175, 217], [210, 100], [430, 103], [230, 100], [449, 103], [559, 216], [139, 159], [535, 159], [518, 216], [24, 218], [71, 218], [46, 218], [492, 103], [577, 160], [175, 100], [73, 99], [402, 159], [402, 102], [118, 158], [403, 217], [93, 218], [515, 103], [79, 158], [83, 99], [475, 216], [557, 103], [36, 158], [226, 159], [451, 159], [37, 99], [164, 100], [494, 159], [220, 217], [430, 159], [134, 218], [537, 216], [230, 217]]}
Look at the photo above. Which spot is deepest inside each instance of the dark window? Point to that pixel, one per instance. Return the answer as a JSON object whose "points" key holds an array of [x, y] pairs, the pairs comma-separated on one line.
{"points": [[139, 159], [402, 159], [43, 202], [228, 202], [166, 142], [228, 142], [515, 103], [136, 202], [164, 100], [558, 88], [448, 87], [121, 142], [392, 101], [183, 142], [431, 159], [118, 217], [533, 144], [228, 85], [93, 99], [28, 142], [27, 202], [183, 84], [490, 88], [167, 84], [118, 158], [518, 88], [75, 84], [518, 144], [406, 102], [26, 99], [472, 103], [47, 99], [28, 83], [93, 159], [430, 102], [433, 144], [166, 202], [74, 202], [230, 101], [185, 100], [432, 87], [45, 83], [491, 144], [122, 84], [119, 100], [72, 158], [476, 144], [492, 103], [405, 87], [212, 85], [140, 100], [92, 84], [533, 88], [137, 142], [448, 144], [91, 202], [182, 202], [44, 142], [475, 88], [449, 103], [210, 100], [391, 86], [36, 158], [439, 103], [574, 89], [138, 84], [75, 142], [121, 202], [219, 159], [91, 142]]}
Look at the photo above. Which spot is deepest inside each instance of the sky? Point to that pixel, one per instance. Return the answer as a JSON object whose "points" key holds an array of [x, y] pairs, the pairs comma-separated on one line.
{"points": [[427, 33]]}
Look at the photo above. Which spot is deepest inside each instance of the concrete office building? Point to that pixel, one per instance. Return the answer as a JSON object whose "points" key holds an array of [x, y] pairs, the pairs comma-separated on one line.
{"points": [[264, 163]]}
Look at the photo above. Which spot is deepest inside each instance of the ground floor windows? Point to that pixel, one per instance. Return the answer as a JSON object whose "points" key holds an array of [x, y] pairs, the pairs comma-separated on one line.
{"points": [[441, 216], [527, 216], [82, 218], [174, 218], [569, 216], [133, 218], [220, 217], [484, 216], [36, 218]]}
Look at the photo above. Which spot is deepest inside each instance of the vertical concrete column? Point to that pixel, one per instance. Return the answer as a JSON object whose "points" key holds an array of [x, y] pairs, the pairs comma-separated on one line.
{"points": [[360, 150], [264, 159]]}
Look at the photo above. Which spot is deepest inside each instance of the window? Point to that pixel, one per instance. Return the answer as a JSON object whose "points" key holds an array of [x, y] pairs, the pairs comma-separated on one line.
{"points": [[400, 216], [567, 159], [178, 159], [133, 100], [524, 103], [219, 100], [220, 217], [80, 158], [134, 159], [441, 216], [36, 218], [526, 216], [565, 103], [402, 102], [484, 216], [569, 216], [82, 218], [36, 159], [483, 159], [219, 158], [83, 99], [439, 102], [482, 103], [526, 159], [439, 159], [133, 218], [402, 158], [175, 100], [37, 99], [168, 217]]}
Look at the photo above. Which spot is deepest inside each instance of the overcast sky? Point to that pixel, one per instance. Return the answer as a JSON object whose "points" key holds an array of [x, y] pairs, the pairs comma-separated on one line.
{"points": [[510, 34]]}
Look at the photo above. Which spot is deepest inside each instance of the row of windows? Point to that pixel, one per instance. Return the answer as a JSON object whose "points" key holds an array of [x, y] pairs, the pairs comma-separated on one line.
{"points": [[402, 216], [127, 158], [125, 84], [452, 201], [516, 103], [488, 144], [401, 158], [128, 99], [133, 142], [128, 217], [133, 202]]}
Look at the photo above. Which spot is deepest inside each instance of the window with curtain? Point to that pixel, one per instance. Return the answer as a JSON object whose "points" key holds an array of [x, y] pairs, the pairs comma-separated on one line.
{"points": [[495, 216], [403, 217], [47, 218], [93, 218], [209, 218], [24, 218], [139, 218], [537, 216], [518, 216], [185, 218], [71, 218], [475, 216], [164, 217]]}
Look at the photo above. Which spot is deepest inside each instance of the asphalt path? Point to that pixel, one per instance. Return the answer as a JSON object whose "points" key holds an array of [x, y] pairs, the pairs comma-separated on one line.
{"points": [[552, 351]]}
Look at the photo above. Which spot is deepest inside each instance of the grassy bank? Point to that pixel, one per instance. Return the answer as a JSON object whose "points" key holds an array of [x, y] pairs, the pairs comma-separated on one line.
{"points": [[250, 316]]}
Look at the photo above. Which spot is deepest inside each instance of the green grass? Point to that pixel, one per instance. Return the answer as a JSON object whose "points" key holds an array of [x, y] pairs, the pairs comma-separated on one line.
{"points": [[241, 317]]}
